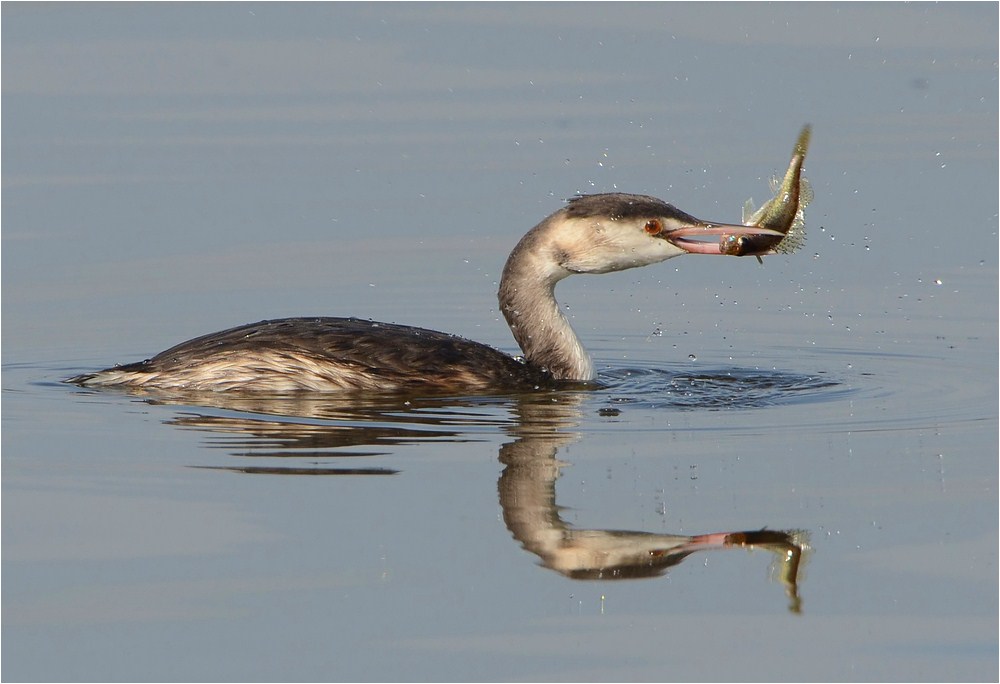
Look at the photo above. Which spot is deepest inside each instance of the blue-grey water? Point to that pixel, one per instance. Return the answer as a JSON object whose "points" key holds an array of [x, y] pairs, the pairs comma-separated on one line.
{"points": [[829, 418]]}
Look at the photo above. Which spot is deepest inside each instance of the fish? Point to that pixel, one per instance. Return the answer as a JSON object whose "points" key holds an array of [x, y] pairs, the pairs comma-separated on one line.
{"points": [[785, 212]]}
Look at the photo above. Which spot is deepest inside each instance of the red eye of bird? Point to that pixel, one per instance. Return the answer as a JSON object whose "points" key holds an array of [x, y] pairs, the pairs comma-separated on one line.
{"points": [[653, 226]]}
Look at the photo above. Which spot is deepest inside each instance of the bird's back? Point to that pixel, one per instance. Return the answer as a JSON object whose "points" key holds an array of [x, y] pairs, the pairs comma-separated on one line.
{"points": [[325, 354]]}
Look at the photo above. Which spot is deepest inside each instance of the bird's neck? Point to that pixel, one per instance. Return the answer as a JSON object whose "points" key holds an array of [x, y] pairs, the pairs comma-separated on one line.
{"points": [[527, 300]]}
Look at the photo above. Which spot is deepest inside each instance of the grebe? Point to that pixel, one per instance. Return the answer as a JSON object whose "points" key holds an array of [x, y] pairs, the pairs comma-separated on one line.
{"points": [[591, 234]]}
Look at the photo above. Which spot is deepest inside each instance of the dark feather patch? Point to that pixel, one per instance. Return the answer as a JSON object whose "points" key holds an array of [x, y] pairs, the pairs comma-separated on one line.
{"points": [[620, 205]]}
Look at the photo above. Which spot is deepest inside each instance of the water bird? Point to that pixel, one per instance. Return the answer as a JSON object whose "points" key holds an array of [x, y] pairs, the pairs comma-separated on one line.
{"points": [[598, 233]]}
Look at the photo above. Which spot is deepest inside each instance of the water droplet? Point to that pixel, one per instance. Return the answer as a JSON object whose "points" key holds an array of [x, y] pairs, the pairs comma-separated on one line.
{"points": [[692, 357]]}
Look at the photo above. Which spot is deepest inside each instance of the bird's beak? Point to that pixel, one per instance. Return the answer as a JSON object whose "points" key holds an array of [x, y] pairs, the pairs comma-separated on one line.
{"points": [[691, 238]]}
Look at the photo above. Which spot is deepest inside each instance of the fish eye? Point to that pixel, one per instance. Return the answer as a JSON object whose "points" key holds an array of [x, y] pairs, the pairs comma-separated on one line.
{"points": [[653, 227]]}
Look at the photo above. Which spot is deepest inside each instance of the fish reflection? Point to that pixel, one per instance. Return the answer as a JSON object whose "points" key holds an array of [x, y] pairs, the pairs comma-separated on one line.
{"points": [[321, 429]]}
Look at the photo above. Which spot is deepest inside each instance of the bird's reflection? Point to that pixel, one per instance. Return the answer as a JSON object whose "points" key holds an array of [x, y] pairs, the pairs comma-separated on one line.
{"points": [[527, 490], [319, 430]]}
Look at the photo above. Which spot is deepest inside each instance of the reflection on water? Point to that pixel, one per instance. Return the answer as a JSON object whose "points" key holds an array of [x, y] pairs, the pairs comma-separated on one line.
{"points": [[527, 489], [311, 430]]}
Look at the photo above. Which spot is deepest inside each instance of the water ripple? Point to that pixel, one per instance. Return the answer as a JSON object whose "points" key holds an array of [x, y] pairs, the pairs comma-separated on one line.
{"points": [[715, 389]]}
